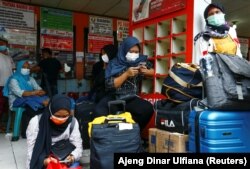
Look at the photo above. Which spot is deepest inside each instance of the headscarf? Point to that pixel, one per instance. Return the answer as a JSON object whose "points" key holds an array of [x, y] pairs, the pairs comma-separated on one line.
{"points": [[21, 79], [120, 63], [47, 129], [110, 50], [211, 30]]}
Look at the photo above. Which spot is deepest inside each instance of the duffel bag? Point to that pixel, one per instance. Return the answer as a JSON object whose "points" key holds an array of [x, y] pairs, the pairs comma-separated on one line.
{"points": [[183, 83], [173, 117], [229, 86]]}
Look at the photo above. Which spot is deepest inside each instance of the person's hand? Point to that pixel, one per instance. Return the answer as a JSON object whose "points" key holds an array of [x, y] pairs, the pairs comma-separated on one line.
{"points": [[70, 159], [132, 71], [143, 69], [48, 160], [40, 92]]}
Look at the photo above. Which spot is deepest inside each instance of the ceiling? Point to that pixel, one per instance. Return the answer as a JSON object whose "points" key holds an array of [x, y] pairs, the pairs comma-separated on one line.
{"points": [[236, 10]]}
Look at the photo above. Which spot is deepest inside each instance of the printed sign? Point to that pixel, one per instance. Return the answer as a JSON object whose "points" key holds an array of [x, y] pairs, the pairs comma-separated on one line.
{"points": [[17, 16], [122, 29], [56, 43], [101, 25], [95, 43]]}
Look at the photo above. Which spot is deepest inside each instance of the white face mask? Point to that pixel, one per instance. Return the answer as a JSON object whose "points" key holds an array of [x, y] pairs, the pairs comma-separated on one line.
{"points": [[132, 56], [25, 71], [105, 58], [216, 19]]}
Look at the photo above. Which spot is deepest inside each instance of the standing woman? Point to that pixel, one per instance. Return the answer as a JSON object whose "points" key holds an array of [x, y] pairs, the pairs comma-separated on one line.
{"points": [[218, 36], [122, 77], [49, 128]]}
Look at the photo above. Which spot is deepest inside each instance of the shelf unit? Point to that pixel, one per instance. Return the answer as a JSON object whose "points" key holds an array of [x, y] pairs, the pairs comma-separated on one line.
{"points": [[167, 39]]}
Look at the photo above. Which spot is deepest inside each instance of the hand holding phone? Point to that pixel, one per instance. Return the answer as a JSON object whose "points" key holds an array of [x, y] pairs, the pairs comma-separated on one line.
{"points": [[142, 64]]}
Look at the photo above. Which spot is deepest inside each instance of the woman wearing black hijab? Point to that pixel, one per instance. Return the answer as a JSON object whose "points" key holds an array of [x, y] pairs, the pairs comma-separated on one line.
{"points": [[218, 36], [52, 126]]}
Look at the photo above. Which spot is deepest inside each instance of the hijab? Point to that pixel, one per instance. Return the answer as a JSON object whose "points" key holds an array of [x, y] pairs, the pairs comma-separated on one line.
{"points": [[21, 79], [211, 30], [47, 129], [110, 50], [120, 63]]}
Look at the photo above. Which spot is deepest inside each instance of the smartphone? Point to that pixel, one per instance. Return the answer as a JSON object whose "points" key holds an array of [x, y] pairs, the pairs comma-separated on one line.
{"points": [[141, 64]]}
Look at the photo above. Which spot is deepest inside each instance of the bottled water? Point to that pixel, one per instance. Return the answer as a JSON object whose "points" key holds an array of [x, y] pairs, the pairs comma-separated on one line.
{"points": [[207, 63]]}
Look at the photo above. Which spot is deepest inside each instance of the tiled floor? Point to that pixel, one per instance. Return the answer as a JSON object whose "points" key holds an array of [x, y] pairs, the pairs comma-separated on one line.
{"points": [[12, 154]]}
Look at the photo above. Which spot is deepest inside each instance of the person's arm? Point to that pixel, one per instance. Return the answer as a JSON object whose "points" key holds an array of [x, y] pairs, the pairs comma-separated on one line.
{"points": [[76, 140], [31, 133], [131, 72]]}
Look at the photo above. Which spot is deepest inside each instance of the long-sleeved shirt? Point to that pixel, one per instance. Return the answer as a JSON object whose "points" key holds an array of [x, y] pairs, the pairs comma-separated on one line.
{"points": [[74, 137], [15, 90], [202, 46]]}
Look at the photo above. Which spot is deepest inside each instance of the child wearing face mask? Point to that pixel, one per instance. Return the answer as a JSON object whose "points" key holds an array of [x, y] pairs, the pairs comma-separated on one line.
{"points": [[22, 90], [53, 126], [218, 36], [122, 77]]}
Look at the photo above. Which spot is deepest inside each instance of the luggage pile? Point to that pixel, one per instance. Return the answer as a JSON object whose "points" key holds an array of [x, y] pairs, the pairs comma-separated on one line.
{"points": [[183, 89], [221, 125]]}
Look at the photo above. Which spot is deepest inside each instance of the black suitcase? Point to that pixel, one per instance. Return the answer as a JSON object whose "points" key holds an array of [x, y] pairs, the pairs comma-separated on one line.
{"points": [[83, 113], [109, 137]]}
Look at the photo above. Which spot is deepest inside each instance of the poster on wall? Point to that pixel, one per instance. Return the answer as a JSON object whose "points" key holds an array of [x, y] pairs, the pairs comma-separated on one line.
{"points": [[148, 9], [56, 29], [96, 42], [122, 29], [100, 25], [17, 16]]}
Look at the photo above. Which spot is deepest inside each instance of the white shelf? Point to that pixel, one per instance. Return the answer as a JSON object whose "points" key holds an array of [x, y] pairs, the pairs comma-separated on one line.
{"points": [[179, 24], [149, 49], [163, 47], [162, 66], [147, 86], [158, 84], [138, 33], [178, 44], [149, 32], [163, 28]]}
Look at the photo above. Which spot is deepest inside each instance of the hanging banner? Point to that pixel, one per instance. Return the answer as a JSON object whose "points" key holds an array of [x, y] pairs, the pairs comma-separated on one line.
{"points": [[100, 25], [148, 9], [56, 43], [95, 43], [56, 19], [122, 29], [17, 16]]}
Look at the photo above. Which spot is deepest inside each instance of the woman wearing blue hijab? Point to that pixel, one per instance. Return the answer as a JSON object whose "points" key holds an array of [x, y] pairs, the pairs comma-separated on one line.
{"points": [[122, 78], [22, 90]]}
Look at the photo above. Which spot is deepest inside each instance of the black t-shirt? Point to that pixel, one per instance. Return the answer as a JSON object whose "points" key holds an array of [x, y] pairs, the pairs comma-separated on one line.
{"points": [[51, 67]]}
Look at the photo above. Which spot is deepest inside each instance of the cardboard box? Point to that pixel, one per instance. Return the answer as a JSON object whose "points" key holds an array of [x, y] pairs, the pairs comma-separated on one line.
{"points": [[171, 142], [152, 140]]}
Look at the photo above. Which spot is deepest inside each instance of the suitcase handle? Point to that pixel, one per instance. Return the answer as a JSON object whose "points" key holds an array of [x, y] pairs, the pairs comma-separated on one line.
{"points": [[116, 120], [117, 102]]}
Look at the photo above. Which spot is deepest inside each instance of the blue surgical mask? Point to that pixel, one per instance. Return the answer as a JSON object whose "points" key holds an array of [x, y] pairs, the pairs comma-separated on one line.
{"points": [[25, 71], [216, 19]]}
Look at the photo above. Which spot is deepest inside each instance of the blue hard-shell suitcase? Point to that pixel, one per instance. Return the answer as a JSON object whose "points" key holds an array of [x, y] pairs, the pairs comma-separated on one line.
{"points": [[219, 131]]}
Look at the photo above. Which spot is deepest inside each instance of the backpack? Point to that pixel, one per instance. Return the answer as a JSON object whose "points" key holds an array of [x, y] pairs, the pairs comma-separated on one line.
{"points": [[229, 86], [183, 83]]}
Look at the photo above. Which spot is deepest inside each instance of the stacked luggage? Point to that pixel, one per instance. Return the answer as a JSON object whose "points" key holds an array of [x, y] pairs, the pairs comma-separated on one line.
{"points": [[222, 124], [183, 89]]}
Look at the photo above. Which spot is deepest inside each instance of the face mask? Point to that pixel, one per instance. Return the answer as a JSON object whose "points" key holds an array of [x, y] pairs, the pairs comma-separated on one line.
{"points": [[57, 120], [132, 56], [105, 58], [217, 19], [25, 71]]}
